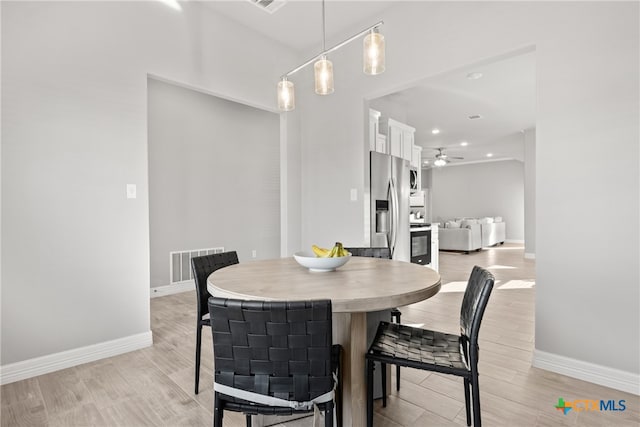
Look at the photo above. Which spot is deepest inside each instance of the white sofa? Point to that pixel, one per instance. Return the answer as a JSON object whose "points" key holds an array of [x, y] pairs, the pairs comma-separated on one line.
{"points": [[470, 234], [467, 238]]}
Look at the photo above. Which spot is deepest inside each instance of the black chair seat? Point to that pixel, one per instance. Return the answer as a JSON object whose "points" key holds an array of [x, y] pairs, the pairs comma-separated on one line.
{"points": [[435, 351], [419, 348]]}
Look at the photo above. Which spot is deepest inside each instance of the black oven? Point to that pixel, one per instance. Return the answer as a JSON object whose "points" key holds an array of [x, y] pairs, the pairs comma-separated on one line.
{"points": [[421, 245]]}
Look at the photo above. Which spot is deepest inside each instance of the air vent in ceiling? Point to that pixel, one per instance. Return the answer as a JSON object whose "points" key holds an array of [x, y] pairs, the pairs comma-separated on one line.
{"points": [[269, 5], [475, 117]]}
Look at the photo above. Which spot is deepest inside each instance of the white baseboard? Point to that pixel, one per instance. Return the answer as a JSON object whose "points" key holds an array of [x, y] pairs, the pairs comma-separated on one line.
{"points": [[161, 291], [529, 256], [66, 359], [597, 374], [514, 241]]}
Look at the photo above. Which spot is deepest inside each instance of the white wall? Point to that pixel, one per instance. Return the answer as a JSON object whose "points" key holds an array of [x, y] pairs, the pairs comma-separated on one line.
{"points": [[75, 251], [480, 190], [587, 99], [214, 176], [530, 193]]}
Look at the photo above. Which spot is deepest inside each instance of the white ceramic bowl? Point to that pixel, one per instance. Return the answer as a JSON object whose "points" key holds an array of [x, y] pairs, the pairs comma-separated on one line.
{"points": [[314, 263]]}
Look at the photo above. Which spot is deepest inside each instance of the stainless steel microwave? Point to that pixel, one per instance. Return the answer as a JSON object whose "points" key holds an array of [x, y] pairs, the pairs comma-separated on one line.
{"points": [[413, 180]]}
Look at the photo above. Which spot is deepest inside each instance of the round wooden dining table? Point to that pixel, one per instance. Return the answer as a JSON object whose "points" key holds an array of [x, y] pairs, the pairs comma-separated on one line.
{"points": [[360, 286]]}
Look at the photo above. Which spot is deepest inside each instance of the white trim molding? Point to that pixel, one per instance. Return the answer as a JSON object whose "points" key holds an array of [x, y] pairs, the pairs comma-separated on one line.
{"points": [[66, 359], [529, 255], [161, 291], [597, 374]]}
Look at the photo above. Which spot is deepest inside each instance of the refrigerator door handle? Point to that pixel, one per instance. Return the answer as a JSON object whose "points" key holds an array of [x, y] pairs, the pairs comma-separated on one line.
{"points": [[391, 225], [394, 215]]}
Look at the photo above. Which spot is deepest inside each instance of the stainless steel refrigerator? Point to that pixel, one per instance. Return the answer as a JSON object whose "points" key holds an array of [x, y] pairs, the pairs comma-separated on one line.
{"points": [[389, 195]]}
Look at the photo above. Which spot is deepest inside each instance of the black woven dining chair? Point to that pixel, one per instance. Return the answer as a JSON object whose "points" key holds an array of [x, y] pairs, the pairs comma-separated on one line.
{"points": [[437, 351], [274, 358], [202, 267], [396, 314]]}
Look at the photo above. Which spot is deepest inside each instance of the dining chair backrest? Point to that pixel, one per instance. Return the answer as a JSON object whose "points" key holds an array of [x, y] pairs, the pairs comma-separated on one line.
{"points": [[281, 349], [474, 303], [202, 267], [370, 252]]}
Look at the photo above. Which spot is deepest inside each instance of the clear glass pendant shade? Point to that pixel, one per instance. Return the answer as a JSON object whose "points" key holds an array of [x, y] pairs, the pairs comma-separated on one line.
{"points": [[286, 95], [324, 76], [373, 53]]}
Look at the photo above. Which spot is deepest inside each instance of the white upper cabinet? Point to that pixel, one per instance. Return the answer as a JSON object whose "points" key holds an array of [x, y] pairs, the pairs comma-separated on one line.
{"points": [[400, 139], [374, 129], [392, 137], [416, 157]]}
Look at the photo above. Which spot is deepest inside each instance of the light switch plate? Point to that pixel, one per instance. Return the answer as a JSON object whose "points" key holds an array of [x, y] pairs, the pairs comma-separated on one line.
{"points": [[131, 191], [354, 194]]}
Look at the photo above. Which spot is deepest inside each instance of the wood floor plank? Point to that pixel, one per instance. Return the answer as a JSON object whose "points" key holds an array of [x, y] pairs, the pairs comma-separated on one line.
{"points": [[63, 391], [83, 415], [29, 412]]}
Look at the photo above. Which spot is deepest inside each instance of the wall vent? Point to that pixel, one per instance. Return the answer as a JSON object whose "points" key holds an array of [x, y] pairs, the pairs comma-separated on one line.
{"points": [[475, 117], [269, 5], [180, 263]]}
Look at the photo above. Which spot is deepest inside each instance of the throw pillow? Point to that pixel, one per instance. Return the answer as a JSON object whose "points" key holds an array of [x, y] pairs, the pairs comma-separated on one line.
{"points": [[468, 222], [452, 224], [497, 219]]}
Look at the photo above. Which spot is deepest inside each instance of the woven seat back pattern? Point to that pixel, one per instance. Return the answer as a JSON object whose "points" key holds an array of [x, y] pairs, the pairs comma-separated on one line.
{"points": [[370, 252], [279, 349], [474, 303], [202, 267]]}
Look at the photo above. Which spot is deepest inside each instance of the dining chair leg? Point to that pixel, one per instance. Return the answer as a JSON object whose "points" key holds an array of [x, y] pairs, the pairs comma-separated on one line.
{"points": [[467, 400], [370, 365], [397, 315], [475, 391], [248, 418], [217, 410], [198, 345], [383, 370], [328, 416]]}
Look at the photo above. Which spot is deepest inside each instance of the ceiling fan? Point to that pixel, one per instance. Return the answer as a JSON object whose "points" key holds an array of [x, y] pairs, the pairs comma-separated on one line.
{"points": [[441, 159]]}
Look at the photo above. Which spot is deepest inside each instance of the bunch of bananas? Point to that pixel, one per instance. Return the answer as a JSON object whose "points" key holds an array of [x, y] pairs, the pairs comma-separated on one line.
{"points": [[336, 251]]}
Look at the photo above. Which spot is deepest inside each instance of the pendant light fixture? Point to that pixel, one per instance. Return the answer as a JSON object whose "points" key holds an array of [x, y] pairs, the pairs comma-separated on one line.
{"points": [[286, 95], [373, 63], [323, 68], [373, 53]]}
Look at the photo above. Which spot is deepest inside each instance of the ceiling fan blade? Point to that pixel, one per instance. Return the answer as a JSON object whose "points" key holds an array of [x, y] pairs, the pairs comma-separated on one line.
{"points": [[457, 158]]}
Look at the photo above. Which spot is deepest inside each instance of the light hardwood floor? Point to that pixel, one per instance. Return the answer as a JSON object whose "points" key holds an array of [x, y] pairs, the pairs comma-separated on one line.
{"points": [[154, 386]]}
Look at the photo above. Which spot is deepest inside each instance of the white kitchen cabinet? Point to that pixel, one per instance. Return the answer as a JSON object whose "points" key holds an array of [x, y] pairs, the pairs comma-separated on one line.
{"points": [[381, 144], [374, 129], [400, 138], [395, 141], [416, 157]]}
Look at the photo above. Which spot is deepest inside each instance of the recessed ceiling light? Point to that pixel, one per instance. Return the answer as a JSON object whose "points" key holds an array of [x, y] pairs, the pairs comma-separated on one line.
{"points": [[269, 5], [474, 76], [464, 143], [426, 162], [475, 116], [435, 131], [173, 4], [489, 154]]}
